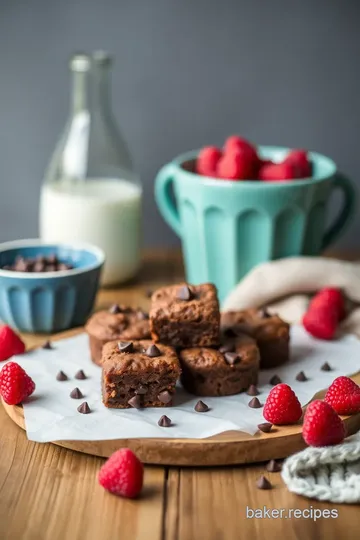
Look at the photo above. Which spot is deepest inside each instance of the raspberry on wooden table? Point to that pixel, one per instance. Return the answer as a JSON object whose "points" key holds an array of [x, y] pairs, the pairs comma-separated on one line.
{"points": [[122, 474], [282, 407], [10, 343], [15, 384], [322, 426], [344, 396]]}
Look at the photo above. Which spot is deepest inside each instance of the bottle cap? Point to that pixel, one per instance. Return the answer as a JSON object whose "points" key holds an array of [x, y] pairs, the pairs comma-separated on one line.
{"points": [[102, 57], [80, 62]]}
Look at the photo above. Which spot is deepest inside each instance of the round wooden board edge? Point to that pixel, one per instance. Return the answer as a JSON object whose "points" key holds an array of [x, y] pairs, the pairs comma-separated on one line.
{"points": [[230, 448]]}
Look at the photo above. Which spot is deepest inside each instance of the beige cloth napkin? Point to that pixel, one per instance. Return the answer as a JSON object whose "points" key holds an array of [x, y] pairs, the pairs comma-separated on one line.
{"points": [[285, 286]]}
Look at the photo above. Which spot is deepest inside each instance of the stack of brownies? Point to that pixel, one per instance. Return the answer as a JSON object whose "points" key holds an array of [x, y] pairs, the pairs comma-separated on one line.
{"points": [[184, 336]]}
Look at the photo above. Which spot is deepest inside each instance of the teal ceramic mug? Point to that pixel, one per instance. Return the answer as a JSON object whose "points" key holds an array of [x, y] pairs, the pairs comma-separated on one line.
{"points": [[227, 227]]}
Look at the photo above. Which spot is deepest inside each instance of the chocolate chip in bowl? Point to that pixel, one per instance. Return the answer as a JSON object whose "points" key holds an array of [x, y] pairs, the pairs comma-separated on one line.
{"points": [[41, 263], [50, 281]]}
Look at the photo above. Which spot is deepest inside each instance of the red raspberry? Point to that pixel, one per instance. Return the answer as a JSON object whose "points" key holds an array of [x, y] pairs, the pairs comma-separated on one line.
{"points": [[322, 426], [300, 160], [321, 323], [15, 384], [282, 406], [232, 167], [10, 343], [330, 298], [235, 143], [276, 172], [344, 396], [207, 161], [122, 474], [249, 162]]}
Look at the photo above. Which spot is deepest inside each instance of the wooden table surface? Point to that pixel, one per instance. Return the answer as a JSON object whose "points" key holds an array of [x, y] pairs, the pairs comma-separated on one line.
{"points": [[47, 492]]}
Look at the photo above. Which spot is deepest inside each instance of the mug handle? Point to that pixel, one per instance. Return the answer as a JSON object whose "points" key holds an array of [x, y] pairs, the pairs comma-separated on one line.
{"points": [[168, 210], [343, 183]]}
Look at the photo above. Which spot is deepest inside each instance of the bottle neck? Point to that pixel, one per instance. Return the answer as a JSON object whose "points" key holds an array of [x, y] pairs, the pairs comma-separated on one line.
{"points": [[91, 90]]}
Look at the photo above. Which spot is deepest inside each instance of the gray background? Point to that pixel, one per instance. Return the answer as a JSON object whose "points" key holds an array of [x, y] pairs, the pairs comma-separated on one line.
{"points": [[187, 72]]}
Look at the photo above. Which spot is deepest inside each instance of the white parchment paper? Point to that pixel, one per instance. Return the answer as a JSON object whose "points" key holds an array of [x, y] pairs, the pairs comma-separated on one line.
{"points": [[51, 415]]}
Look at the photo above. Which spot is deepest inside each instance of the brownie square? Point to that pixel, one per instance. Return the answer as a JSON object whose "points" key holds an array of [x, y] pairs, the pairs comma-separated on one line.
{"points": [[228, 370], [138, 374], [121, 323], [271, 333], [185, 315]]}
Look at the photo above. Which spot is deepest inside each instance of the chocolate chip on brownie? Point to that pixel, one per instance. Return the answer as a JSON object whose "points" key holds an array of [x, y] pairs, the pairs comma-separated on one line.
{"points": [[208, 372], [185, 316], [135, 379], [271, 333]]}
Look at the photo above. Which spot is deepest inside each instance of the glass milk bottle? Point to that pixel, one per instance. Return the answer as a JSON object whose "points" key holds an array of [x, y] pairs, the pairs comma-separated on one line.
{"points": [[91, 193]]}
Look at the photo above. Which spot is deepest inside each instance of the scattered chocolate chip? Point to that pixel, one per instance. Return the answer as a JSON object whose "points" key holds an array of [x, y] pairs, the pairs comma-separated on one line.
{"points": [[201, 407], [227, 347], [273, 466], [126, 346], [184, 293], [141, 390], [76, 394], [84, 408], [80, 375], [165, 397], [254, 403], [114, 309], [48, 346], [61, 376], [265, 427], [153, 351], [263, 483], [232, 358], [275, 379], [142, 315], [135, 402], [326, 367], [252, 390], [301, 377], [164, 421], [264, 314], [148, 293]]}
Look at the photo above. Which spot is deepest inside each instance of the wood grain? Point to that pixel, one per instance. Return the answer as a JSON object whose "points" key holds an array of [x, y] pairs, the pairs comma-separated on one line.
{"points": [[50, 493], [212, 505]]}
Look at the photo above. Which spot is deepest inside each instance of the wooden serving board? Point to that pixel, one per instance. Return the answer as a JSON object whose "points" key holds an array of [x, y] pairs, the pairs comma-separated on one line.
{"points": [[230, 448]]}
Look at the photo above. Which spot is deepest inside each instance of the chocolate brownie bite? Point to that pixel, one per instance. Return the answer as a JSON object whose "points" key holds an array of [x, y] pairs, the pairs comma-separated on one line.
{"points": [[185, 315], [228, 370], [271, 333], [119, 323], [138, 374]]}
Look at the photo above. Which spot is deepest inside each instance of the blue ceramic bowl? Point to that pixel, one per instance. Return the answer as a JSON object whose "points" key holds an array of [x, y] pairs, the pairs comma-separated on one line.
{"points": [[49, 301]]}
